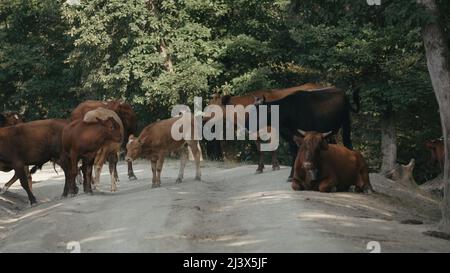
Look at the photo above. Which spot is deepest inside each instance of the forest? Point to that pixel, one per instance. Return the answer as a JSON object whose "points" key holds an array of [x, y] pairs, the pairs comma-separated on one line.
{"points": [[154, 54]]}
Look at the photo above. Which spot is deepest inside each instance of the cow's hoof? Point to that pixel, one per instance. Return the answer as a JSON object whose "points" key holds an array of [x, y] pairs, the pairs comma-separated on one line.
{"points": [[3, 191], [113, 190], [178, 181], [276, 168], [154, 186], [34, 204], [132, 177], [258, 171], [198, 178]]}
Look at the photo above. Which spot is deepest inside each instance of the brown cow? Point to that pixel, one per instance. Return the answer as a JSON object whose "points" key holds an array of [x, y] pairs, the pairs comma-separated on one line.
{"points": [[328, 167], [126, 114], [82, 140], [437, 149], [27, 144], [269, 95], [155, 142], [110, 151]]}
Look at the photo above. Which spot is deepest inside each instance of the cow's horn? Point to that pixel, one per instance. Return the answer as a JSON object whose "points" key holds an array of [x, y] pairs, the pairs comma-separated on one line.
{"points": [[303, 133], [324, 135]]}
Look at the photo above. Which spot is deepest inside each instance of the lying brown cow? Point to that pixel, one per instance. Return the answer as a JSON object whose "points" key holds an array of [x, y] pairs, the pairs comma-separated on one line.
{"points": [[328, 167], [126, 114], [155, 142], [269, 95], [437, 149], [27, 144], [82, 140]]}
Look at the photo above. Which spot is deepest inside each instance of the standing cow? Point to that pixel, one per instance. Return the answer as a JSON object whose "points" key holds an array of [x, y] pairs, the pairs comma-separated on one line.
{"points": [[155, 142], [125, 113], [27, 144], [251, 98], [323, 110], [81, 140], [328, 167]]}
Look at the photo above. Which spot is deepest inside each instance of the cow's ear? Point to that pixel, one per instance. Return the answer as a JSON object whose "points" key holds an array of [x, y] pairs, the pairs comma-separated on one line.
{"points": [[298, 140], [226, 100]]}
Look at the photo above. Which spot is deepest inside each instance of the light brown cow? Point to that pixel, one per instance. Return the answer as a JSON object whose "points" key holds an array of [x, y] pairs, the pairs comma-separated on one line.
{"points": [[269, 96], [328, 167], [155, 142]]}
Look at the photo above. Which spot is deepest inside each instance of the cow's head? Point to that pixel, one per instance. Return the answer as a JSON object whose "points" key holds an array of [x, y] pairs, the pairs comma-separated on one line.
{"points": [[134, 148], [310, 145], [111, 129]]}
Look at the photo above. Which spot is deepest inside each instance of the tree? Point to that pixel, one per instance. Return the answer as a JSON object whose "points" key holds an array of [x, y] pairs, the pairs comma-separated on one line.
{"points": [[437, 52]]}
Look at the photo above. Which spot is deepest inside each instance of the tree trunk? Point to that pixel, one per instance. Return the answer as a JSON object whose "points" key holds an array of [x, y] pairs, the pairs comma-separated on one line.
{"points": [[437, 53], [388, 143], [164, 52]]}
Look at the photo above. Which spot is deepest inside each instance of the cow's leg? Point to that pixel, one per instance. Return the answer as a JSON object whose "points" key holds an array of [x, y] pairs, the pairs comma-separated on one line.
{"points": [[131, 175], [20, 171], [197, 157], [183, 160], [99, 161], [29, 178], [327, 185], [72, 188], [294, 149], [87, 167], [159, 166], [10, 182], [154, 162], [260, 168], [112, 160], [275, 164]]}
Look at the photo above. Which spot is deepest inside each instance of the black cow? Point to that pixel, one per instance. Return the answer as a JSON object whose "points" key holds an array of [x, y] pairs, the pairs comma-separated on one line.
{"points": [[323, 110]]}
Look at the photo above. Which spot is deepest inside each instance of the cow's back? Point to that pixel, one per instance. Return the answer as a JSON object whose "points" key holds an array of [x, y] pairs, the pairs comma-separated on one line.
{"points": [[84, 107], [342, 163], [157, 136], [34, 142], [323, 110]]}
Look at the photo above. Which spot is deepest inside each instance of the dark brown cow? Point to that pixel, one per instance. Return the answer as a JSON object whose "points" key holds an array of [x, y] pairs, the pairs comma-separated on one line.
{"points": [[325, 167], [437, 150], [269, 95], [123, 110], [27, 144], [82, 140]]}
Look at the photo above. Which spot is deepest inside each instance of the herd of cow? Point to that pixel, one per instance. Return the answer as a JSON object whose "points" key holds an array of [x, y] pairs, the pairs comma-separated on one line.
{"points": [[310, 116]]}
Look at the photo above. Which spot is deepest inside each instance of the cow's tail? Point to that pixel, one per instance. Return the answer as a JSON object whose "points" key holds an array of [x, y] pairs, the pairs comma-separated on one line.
{"points": [[356, 100], [347, 127], [39, 167]]}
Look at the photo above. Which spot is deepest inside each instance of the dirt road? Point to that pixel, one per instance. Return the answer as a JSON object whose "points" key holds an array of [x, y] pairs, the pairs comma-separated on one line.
{"points": [[231, 210]]}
